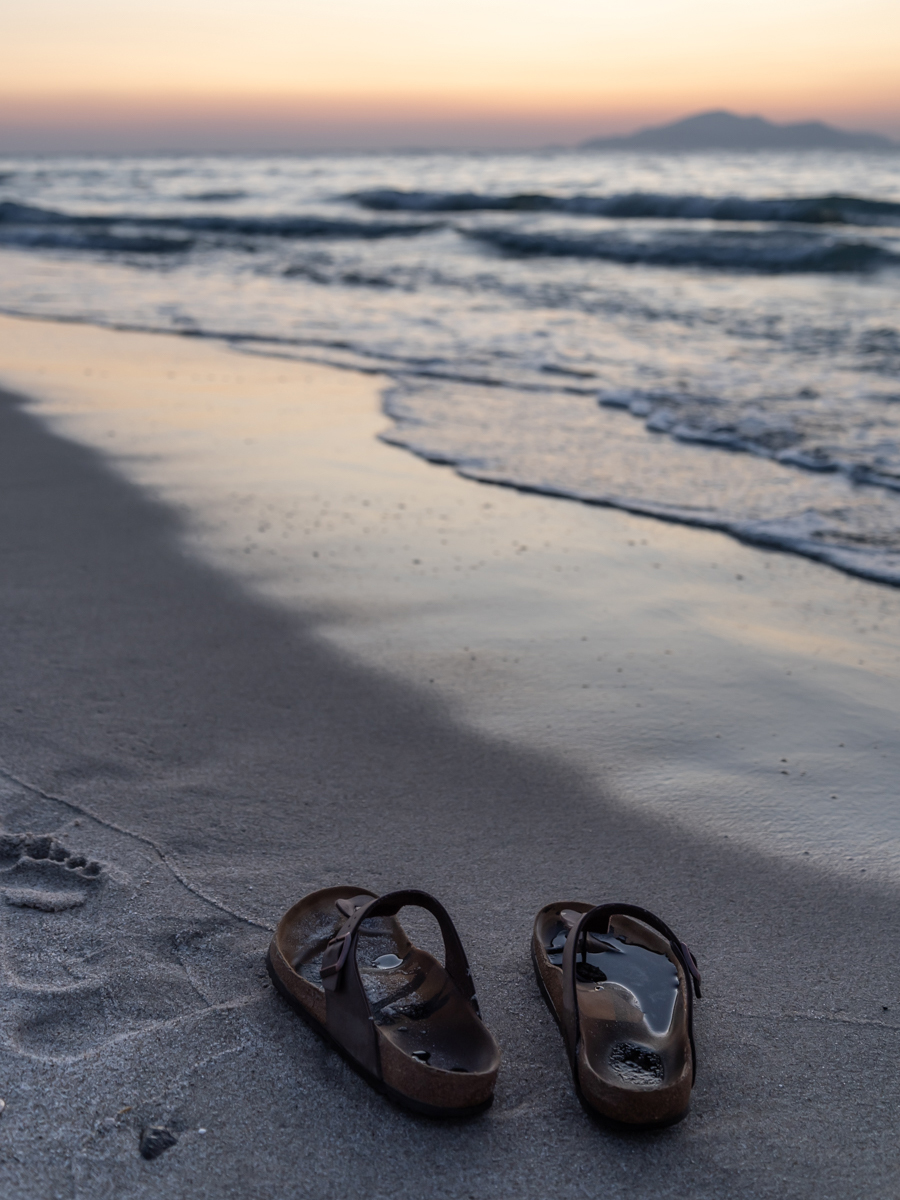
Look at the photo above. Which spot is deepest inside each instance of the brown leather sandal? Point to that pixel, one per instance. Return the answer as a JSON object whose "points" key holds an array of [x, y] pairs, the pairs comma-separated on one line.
{"points": [[620, 985], [409, 1026]]}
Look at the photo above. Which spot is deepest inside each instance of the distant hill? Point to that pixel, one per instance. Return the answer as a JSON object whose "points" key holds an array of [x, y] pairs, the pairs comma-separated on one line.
{"points": [[721, 130]]}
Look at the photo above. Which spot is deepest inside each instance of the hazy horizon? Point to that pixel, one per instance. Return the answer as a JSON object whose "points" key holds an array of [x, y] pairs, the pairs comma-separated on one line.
{"points": [[277, 133]]}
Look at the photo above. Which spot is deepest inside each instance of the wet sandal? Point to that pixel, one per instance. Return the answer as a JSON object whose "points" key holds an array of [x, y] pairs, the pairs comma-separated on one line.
{"points": [[621, 987], [408, 1025]]}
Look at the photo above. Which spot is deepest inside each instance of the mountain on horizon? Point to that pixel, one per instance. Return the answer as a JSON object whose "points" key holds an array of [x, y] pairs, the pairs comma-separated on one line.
{"points": [[722, 130]]}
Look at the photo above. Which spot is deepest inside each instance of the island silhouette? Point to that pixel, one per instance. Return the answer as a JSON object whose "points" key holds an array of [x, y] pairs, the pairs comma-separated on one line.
{"points": [[719, 129]]}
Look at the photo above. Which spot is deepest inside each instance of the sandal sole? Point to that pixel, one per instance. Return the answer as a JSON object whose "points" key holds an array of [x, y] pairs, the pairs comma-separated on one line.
{"points": [[595, 1113]]}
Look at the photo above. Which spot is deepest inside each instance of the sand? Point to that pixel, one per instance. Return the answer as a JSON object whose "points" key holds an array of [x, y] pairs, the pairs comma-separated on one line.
{"points": [[215, 737]]}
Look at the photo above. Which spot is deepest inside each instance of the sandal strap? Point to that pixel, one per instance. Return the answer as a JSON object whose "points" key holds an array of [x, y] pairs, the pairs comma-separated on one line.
{"points": [[348, 1017], [588, 923]]}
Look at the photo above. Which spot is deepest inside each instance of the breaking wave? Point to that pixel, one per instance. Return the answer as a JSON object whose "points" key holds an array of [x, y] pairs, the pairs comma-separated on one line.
{"points": [[807, 210], [29, 226], [795, 434], [770, 252]]}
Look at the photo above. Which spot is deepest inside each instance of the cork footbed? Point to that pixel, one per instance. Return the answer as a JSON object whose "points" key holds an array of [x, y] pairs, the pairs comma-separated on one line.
{"points": [[634, 1062], [435, 1053]]}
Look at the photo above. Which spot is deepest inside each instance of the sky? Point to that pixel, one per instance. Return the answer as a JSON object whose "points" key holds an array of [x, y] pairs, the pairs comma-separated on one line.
{"points": [[335, 74]]}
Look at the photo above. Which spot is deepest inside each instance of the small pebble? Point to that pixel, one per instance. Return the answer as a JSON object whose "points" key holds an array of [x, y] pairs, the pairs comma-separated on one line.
{"points": [[2, 1105], [201, 1131], [156, 1139]]}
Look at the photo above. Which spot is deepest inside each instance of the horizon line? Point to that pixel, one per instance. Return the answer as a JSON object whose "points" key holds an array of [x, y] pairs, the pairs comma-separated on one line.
{"points": [[149, 133]]}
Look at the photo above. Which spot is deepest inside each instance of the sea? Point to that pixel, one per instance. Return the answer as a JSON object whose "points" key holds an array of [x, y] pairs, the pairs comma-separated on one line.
{"points": [[711, 339]]}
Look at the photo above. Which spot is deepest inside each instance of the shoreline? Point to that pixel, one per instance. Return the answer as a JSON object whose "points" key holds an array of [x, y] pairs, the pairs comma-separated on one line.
{"points": [[266, 748], [678, 668]]}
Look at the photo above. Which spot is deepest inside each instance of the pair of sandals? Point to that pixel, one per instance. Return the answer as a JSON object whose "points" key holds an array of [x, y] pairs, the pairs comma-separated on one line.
{"points": [[618, 981]]}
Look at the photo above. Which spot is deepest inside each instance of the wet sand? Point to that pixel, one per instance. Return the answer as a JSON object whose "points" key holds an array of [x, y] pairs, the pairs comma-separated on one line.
{"points": [[220, 736]]}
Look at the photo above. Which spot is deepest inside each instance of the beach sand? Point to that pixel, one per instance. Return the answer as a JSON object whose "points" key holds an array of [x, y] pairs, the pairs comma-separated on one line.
{"points": [[223, 705]]}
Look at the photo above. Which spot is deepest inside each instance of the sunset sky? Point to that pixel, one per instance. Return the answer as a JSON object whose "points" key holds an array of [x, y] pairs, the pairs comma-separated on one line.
{"points": [[304, 74]]}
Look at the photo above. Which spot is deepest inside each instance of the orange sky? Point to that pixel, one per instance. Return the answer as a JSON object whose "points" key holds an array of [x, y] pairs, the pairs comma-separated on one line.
{"points": [[240, 74]]}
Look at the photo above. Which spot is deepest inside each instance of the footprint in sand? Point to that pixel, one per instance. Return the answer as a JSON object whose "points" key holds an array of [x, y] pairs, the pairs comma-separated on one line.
{"points": [[91, 952], [48, 898], [38, 872]]}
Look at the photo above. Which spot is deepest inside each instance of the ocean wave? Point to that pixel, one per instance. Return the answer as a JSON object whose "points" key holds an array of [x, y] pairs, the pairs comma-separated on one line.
{"points": [[12, 213], [223, 197], [99, 240], [304, 227], [806, 210], [308, 226], [796, 436], [771, 253], [328, 275]]}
